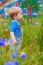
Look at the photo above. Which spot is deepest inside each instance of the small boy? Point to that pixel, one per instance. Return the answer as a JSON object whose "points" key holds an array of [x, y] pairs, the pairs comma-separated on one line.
{"points": [[16, 30]]}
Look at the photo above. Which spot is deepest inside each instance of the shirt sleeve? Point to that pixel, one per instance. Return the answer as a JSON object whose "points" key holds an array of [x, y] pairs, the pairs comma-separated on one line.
{"points": [[12, 26]]}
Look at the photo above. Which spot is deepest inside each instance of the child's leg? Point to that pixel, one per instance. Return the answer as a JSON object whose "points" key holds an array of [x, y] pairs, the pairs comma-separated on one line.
{"points": [[18, 45], [15, 48]]}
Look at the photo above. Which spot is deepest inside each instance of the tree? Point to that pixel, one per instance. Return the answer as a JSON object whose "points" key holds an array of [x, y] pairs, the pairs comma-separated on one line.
{"points": [[30, 5]]}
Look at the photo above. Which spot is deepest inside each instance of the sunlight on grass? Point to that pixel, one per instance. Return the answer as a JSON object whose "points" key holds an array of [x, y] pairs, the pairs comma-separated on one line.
{"points": [[31, 42]]}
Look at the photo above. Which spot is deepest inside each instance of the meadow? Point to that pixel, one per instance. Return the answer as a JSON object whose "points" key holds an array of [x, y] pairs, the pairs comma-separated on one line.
{"points": [[32, 41]]}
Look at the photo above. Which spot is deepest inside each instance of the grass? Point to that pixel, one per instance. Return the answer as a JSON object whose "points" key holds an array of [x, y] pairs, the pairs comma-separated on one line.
{"points": [[32, 42]]}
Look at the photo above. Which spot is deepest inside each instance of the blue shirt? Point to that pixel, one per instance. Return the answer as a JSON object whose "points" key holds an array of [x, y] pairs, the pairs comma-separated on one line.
{"points": [[16, 28]]}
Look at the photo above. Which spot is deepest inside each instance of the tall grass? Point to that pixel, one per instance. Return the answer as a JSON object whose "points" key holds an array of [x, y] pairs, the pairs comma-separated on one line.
{"points": [[32, 40]]}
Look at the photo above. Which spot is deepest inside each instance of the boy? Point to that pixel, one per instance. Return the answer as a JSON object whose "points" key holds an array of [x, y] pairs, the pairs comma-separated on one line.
{"points": [[15, 29]]}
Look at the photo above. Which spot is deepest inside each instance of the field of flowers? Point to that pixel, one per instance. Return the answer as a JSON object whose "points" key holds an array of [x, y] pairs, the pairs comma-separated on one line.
{"points": [[32, 41]]}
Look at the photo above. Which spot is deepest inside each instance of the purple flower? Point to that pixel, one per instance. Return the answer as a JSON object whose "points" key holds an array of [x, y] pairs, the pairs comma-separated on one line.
{"points": [[16, 63], [2, 42], [9, 63], [15, 55], [23, 55], [12, 63]]}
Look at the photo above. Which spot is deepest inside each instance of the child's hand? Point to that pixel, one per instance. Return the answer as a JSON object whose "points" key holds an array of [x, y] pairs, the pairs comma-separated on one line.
{"points": [[14, 41]]}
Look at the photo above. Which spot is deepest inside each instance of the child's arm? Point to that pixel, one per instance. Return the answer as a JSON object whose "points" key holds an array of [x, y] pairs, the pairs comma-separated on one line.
{"points": [[14, 41]]}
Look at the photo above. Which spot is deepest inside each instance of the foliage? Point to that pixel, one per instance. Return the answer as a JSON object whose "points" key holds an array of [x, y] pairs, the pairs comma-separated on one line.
{"points": [[29, 4]]}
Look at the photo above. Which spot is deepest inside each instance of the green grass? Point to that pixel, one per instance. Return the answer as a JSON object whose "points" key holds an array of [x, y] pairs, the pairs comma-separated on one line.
{"points": [[32, 42]]}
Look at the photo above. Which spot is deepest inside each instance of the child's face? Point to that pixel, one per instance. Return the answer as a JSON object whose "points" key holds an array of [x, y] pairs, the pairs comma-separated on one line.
{"points": [[19, 16]]}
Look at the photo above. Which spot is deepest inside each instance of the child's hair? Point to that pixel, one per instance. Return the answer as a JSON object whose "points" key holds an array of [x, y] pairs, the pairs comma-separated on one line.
{"points": [[12, 15], [14, 12]]}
